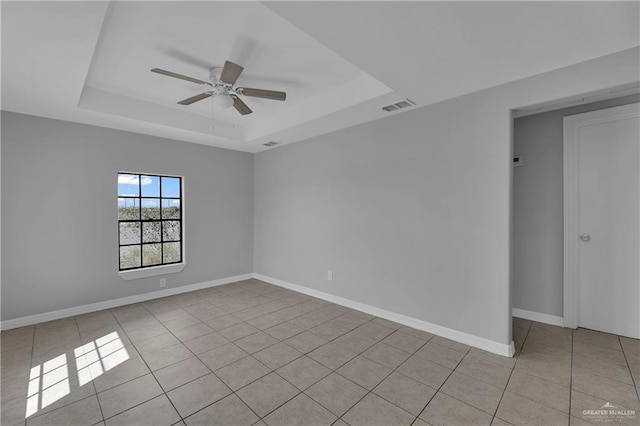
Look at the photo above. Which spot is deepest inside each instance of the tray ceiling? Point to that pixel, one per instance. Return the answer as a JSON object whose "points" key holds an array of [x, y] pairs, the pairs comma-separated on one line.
{"points": [[339, 62]]}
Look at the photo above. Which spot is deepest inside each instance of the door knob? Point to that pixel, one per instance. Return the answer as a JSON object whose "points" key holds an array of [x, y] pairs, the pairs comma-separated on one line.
{"points": [[585, 237]]}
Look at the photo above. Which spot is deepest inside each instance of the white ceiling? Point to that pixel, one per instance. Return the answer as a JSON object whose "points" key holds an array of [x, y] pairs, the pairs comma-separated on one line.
{"points": [[339, 62]]}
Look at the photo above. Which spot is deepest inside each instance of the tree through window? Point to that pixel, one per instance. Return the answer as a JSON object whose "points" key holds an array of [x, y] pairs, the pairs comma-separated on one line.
{"points": [[149, 220]]}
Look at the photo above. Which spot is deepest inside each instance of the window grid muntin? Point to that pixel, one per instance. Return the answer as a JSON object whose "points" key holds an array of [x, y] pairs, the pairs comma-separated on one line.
{"points": [[161, 220]]}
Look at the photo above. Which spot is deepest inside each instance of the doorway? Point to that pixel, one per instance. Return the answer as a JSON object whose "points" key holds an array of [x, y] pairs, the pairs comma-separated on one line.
{"points": [[538, 208]]}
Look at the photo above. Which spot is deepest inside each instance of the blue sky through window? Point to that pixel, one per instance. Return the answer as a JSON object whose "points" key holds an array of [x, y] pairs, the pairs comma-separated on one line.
{"points": [[170, 187], [129, 186], [150, 186]]}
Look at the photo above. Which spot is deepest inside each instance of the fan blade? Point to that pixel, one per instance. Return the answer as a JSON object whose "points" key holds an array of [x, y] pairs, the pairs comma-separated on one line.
{"points": [[261, 93], [195, 98], [230, 72], [180, 76], [240, 106]]}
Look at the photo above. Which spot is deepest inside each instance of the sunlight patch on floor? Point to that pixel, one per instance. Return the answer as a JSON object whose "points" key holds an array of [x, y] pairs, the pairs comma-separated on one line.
{"points": [[49, 382]]}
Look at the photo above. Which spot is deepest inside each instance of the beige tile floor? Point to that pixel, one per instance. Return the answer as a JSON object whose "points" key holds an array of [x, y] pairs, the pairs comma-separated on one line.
{"points": [[251, 353]]}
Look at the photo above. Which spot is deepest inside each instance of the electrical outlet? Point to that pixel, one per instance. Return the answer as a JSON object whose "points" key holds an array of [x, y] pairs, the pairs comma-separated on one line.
{"points": [[329, 276], [163, 283]]}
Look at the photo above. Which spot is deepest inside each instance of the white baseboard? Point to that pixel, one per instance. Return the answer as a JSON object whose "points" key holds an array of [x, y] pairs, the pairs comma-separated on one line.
{"points": [[114, 303], [449, 333], [538, 317]]}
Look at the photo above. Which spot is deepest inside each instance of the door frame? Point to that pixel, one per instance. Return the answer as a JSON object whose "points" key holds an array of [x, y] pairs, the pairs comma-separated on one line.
{"points": [[572, 125]]}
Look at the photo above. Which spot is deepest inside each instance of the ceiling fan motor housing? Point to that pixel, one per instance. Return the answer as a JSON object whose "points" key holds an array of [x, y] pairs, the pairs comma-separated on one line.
{"points": [[222, 91]]}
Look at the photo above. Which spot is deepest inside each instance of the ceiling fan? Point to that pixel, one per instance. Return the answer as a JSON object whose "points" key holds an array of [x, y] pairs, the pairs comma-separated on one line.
{"points": [[221, 87]]}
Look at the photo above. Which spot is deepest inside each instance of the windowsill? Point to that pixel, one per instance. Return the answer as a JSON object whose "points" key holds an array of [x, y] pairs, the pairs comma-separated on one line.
{"points": [[152, 272]]}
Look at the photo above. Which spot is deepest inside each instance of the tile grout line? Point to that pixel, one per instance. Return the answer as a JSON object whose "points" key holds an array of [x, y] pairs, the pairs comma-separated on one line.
{"points": [[230, 341], [251, 355], [92, 382], [320, 379], [332, 370], [633, 379], [385, 378], [510, 374], [569, 387], [34, 416], [571, 377], [471, 405], [440, 387], [212, 372], [181, 307], [33, 345], [150, 372], [194, 355], [234, 300], [303, 330]]}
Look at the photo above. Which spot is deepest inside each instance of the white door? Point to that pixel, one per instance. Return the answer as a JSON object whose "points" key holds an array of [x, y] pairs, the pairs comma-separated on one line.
{"points": [[602, 172]]}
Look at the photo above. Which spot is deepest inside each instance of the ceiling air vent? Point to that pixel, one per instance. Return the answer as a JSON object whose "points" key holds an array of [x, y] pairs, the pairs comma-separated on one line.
{"points": [[399, 105], [272, 143]]}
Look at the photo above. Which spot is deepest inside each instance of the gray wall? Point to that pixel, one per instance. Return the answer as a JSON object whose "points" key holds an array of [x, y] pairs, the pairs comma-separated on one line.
{"points": [[412, 213], [59, 235], [538, 239]]}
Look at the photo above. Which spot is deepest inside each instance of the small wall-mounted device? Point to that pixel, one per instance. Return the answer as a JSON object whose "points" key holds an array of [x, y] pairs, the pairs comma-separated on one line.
{"points": [[518, 160]]}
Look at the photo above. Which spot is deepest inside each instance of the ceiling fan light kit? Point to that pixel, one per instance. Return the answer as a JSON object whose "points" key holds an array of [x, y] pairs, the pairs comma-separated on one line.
{"points": [[221, 87], [221, 99]]}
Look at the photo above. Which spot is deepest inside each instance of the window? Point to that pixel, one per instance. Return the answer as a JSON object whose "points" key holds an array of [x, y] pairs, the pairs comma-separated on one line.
{"points": [[149, 220]]}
